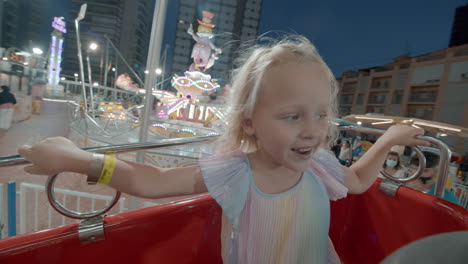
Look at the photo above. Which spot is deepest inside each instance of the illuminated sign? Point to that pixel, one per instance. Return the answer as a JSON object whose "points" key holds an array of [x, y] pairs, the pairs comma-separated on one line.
{"points": [[59, 25]]}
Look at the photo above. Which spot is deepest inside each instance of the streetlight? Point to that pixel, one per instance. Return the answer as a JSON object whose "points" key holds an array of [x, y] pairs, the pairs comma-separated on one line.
{"points": [[115, 76], [37, 51], [80, 17], [76, 76], [158, 71], [146, 72], [93, 46]]}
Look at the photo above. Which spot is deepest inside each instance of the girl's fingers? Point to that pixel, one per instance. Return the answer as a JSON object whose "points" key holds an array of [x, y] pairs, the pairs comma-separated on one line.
{"points": [[25, 151]]}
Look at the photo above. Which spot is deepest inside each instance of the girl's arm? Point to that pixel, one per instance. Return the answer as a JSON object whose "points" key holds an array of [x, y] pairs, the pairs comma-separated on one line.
{"points": [[56, 155], [361, 175]]}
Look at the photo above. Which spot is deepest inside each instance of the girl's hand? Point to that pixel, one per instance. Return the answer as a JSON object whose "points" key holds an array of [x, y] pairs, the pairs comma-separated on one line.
{"points": [[54, 155], [403, 135]]}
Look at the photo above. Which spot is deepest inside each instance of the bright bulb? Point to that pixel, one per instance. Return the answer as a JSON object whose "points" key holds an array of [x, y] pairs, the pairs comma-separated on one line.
{"points": [[146, 72], [158, 71], [113, 69], [95, 84], [93, 46], [76, 74], [37, 51]]}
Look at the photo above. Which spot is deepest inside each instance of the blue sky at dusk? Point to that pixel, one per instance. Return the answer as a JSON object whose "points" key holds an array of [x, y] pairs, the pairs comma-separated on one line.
{"points": [[349, 34], [364, 33]]}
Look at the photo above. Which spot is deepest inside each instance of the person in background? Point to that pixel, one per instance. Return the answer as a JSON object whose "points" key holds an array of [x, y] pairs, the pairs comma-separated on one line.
{"points": [[7, 100], [392, 165], [357, 149], [426, 182], [345, 153], [336, 148]]}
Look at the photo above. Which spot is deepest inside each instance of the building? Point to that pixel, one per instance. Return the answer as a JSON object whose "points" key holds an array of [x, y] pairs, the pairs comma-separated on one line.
{"points": [[236, 22], [127, 23], [27, 17], [459, 34], [432, 86]]}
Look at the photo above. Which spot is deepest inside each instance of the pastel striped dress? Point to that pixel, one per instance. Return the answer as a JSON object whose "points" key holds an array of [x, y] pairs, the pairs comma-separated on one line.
{"points": [[290, 227]]}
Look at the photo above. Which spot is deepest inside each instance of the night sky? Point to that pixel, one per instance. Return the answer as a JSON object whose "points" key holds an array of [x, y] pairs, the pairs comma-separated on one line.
{"points": [[364, 33], [351, 34]]}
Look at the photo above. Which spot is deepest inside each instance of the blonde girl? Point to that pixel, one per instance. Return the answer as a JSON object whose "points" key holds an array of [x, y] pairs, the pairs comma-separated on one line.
{"points": [[272, 179]]}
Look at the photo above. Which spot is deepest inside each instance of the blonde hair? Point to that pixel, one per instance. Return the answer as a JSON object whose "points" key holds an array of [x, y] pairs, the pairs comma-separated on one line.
{"points": [[247, 82]]}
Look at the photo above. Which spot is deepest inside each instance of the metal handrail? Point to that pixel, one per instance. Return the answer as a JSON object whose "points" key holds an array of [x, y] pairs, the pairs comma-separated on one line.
{"points": [[16, 160], [444, 159]]}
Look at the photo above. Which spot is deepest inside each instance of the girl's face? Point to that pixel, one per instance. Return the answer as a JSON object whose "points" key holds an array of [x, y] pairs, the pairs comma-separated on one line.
{"points": [[290, 118], [392, 157]]}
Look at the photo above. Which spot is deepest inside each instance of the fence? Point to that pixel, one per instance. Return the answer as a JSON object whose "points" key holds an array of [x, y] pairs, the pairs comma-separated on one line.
{"points": [[31, 210]]}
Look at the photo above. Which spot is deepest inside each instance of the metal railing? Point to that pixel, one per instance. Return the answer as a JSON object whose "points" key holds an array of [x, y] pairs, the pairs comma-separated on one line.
{"points": [[18, 160]]}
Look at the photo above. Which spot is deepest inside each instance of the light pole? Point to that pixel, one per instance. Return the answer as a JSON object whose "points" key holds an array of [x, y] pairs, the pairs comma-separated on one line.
{"points": [[76, 77], [93, 46], [115, 76], [80, 17]]}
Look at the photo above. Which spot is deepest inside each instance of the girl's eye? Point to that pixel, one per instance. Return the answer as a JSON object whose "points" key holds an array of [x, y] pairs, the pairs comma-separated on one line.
{"points": [[292, 117], [321, 116]]}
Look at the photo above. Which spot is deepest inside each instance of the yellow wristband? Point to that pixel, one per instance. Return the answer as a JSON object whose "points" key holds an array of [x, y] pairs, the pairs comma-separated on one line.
{"points": [[107, 169]]}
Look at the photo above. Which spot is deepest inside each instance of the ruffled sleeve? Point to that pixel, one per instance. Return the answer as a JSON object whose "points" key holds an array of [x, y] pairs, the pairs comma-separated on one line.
{"points": [[226, 177], [329, 170]]}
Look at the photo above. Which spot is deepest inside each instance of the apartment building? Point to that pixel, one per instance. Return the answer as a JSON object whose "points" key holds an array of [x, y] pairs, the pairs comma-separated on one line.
{"points": [[432, 86], [127, 23]]}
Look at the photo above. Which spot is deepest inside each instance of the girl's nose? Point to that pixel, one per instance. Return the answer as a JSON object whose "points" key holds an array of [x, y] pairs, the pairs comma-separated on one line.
{"points": [[310, 130]]}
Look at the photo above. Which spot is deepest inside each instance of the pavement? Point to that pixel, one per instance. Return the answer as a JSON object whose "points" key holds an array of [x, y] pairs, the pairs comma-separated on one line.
{"points": [[51, 122]]}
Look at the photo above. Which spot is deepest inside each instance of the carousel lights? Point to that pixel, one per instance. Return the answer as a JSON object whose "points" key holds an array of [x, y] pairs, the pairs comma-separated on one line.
{"points": [[213, 134], [187, 130], [160, 125], [436, 126], [200, 84], [374, 118], [383, 122]]}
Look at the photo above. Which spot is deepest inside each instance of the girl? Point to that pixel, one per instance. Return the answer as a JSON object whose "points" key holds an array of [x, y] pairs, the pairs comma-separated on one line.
{"points": [[392, 165], [345, 153], [271, 180]]}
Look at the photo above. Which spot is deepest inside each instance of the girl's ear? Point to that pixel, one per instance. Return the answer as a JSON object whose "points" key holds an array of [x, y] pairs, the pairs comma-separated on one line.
{"points": [[248, 127]]}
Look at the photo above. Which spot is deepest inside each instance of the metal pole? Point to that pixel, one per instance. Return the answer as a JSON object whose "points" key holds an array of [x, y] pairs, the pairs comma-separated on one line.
{"points": [[91, 96], [106, 70], [11, 196], [80, 61], [152, 63], [123, 59]]}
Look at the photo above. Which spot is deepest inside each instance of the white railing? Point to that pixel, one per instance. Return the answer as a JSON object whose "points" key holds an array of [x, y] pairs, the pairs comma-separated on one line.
{"points": [[3, 232], [26, 188]]}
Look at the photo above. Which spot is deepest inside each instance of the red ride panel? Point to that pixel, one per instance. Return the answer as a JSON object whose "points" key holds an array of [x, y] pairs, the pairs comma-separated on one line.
{"points": [[364, 228], [368, 227]]}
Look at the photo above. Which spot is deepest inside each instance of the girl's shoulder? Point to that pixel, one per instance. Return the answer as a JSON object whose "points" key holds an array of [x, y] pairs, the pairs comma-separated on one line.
{"points": [[226, 177], [331, 173]]}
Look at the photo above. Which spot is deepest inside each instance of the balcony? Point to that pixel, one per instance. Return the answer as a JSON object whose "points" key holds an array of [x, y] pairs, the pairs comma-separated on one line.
{"points": [[428, 97], [381, 84]]}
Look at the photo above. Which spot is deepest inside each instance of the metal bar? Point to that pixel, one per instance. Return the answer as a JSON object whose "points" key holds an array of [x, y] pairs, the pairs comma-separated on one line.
{"points": [[16, 160], [11, 196], [106, 69], [90, 78], [123, 59], [80, 61], [23, 214], [36, 210], [2, 208]]}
